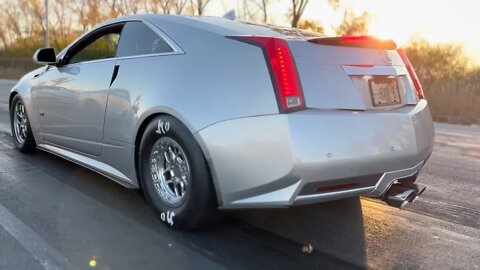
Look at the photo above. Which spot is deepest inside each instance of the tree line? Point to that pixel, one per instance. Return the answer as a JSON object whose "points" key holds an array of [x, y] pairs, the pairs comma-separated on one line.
{"points": [[24, 24], [451, 82]]}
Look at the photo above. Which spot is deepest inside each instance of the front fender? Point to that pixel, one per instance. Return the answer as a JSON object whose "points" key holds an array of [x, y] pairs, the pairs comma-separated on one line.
{"points": [[23, 89]]}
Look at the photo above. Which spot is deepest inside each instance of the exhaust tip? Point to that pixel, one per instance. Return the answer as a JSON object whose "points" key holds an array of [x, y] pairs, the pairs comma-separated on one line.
{"points": [[420, 189], [399, 196]]}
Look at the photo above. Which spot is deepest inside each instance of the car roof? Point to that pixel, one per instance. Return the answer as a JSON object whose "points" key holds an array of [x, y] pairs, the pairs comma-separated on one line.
{"points": [[217, 25]]}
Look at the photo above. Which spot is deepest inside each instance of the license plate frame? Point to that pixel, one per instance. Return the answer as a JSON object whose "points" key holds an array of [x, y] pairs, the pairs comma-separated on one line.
{"points": [[384, 91]]}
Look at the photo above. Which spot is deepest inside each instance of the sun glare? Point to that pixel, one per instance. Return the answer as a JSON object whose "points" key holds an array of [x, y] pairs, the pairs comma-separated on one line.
{"points": [[437, 21]]}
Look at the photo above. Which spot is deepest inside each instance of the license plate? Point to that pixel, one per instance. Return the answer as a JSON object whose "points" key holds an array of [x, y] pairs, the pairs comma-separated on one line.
{"points": [[384, 92]]}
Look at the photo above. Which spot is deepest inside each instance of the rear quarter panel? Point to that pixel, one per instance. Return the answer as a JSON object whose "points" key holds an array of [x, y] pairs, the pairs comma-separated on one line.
{"points": [[215, 80]]}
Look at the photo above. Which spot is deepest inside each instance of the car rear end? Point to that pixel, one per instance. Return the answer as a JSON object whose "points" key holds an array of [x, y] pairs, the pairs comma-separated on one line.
{"points": [[352, 120]]}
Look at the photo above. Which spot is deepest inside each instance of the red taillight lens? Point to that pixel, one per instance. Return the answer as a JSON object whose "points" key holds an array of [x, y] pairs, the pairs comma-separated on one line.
{"points": [[412, 73], [356, 41], [283, 71]]}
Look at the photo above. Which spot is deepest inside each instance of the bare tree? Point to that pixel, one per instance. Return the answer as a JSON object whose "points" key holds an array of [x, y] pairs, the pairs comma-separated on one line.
{"points": [[253, 10], [311, 25], [335, 4], [178, 6], [263, 6], [353, 24], [62, 28], [3, 29], [298, 7], [114, 8], [450, 83], [126, 7], [33, 10], [81, 9], [198, 6], [247, 10], [166, 6]]}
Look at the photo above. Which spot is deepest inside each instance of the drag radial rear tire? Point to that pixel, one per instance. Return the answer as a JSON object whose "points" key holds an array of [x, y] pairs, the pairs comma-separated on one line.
{"points": [[175, 175], [21, 131]]}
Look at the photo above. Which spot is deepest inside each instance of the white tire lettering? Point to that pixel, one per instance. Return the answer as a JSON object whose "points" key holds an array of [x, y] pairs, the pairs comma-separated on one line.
{"points": [[162, 128], [167, 217]]}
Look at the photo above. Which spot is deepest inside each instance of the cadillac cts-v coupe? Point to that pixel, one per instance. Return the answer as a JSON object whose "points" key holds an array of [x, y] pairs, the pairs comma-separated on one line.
{"points": [[207, 114]]}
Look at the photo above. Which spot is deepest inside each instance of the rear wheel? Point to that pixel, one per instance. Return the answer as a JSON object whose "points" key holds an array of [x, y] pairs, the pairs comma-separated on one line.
{"points": [[20, 125], [175, 175]]}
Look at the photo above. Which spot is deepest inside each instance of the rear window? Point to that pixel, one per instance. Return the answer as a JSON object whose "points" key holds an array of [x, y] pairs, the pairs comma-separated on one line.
{"points": [[139, 39], [288, 32]]}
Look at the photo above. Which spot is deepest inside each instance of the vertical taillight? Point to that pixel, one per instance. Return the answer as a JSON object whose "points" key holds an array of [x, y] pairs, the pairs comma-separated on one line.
{"points": [[283, 71], [412, 73]]}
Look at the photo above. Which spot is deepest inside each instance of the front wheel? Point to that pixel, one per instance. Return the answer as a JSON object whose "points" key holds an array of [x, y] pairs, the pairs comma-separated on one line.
{"points": [[21, 131], [175, 175]]}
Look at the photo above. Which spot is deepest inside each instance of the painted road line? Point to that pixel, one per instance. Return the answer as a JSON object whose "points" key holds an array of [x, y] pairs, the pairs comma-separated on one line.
{"points": [[45, 254]]}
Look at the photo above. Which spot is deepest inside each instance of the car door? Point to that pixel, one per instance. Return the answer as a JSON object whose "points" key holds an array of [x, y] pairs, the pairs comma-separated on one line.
{"points": [[71, 98]]}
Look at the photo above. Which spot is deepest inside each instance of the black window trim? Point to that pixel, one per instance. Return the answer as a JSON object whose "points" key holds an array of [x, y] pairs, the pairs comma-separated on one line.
{"points": [[176, 49], [93, 34]]}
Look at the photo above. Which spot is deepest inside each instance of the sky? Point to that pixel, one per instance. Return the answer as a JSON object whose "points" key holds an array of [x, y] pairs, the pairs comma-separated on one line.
{"points": [[435, 20]]}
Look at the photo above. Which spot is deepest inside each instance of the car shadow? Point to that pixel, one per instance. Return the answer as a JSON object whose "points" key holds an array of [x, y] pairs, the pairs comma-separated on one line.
{"points": [[335, 228], [250, 239]]}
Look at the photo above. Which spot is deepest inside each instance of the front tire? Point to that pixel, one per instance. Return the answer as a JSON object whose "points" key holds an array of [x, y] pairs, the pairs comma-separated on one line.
{"points": [[175, 175], [21, 131]]}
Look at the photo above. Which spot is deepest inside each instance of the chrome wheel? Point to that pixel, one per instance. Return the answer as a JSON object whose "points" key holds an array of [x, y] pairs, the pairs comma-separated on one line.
{"points": [[170, 171], [20, 122]]}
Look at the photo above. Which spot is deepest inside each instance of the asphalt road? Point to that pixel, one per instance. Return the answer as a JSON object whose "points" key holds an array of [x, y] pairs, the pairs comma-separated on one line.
{"points": [[57, 215]]}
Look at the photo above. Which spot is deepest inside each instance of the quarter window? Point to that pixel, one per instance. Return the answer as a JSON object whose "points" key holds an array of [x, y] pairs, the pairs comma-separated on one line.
{"points": [[138, 39]]}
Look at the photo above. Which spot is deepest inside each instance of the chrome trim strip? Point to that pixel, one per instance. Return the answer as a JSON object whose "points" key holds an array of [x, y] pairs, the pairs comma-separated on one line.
{"points": [[88, 62], [376, 70], [92, 164]]}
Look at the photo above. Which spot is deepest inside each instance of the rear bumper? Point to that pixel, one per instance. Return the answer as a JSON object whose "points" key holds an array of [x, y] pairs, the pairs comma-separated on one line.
{"points": [[289, 159]]}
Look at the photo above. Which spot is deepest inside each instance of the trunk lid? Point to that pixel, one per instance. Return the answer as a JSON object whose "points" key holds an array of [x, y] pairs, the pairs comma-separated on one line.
{"points": [[341, 77]]}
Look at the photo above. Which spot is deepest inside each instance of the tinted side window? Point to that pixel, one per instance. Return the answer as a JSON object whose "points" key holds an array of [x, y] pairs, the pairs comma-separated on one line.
{"points": [[101, 48], [138, 39]]}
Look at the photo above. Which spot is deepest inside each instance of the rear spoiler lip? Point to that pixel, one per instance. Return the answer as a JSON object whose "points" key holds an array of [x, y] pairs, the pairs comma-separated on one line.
{"points": [[357, 42]]}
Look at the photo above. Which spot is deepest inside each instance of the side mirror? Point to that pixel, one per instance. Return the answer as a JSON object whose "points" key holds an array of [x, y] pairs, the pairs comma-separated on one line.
{"points": [[45, 56]]}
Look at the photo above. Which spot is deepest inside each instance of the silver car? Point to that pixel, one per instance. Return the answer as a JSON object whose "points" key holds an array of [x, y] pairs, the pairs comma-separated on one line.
{"points": [[206, 114]]}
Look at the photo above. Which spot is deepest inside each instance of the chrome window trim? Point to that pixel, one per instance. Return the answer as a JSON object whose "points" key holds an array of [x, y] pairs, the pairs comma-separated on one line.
{"points": [[90, 62]]}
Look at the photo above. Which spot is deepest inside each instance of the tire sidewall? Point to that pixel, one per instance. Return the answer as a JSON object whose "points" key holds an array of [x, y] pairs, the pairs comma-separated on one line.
{"points": [[200, 193], [29, 144]]}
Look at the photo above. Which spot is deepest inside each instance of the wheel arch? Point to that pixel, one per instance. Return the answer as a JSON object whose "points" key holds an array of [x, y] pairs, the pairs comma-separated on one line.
{"points": [[10, 99], [138, 140], [141, 129]]}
